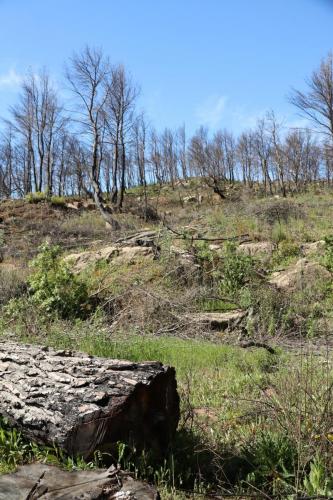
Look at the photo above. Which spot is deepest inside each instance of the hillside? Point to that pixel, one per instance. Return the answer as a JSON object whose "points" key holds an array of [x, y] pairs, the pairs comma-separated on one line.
{"points": [[235, 293]]}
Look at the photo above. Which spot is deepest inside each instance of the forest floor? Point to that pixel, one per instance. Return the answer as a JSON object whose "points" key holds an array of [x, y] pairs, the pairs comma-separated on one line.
{"points": [[236, 294]]}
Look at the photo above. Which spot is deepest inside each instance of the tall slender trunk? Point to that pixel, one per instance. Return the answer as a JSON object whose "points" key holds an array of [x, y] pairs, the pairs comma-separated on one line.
{"points": [[122, 178]]}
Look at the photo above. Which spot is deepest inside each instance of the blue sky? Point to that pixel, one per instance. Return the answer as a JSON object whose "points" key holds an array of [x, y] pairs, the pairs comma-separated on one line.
{"points": [[221, 63]]}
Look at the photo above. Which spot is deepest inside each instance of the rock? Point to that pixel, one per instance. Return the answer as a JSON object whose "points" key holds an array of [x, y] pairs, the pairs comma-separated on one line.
{"points": [[116, 254], [190, 199], [83, 403], [187, 259], [74, 205], [254, 249], [215, 247], [89, 205], [301, 275], [36, 481], [314, 248], [218, 320]]}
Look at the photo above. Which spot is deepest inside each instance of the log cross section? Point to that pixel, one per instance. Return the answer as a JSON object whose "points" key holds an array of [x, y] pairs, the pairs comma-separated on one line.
{"points": [[82, 403]]}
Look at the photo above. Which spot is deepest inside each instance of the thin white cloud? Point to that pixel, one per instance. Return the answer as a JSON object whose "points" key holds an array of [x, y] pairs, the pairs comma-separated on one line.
{"points": [[219, 112], [211, 112], [10, 79], [242, 119]]}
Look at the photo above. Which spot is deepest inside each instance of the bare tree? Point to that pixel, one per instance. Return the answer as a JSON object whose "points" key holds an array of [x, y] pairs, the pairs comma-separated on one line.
{"points": [[7, 160], [207, 159], [229, 147], [317, 102], [181, 151], [155, 158], [247, 157], [169, 155], [89, 78], [327, 153], [279, 160], [303, 155], [38, 118], [120, 107], [140, 145], [263, 148]]}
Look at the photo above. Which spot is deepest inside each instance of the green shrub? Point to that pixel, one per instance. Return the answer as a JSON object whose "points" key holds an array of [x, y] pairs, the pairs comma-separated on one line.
{"points": [[39, 196], [273, 459], [36, 197], [203, 252], [54, 287], [279, 233], [58, 201], [318, 481], [237, 270], [328, 257], [286, 250], [13, 449]]}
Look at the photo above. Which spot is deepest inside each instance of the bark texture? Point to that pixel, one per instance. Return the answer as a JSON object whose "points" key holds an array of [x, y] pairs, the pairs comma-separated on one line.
{"points": [[83, 403]]}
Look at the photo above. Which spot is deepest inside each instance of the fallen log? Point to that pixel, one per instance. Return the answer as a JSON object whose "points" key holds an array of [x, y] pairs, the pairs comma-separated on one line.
{"points": [[82, 403], [35, 481]]}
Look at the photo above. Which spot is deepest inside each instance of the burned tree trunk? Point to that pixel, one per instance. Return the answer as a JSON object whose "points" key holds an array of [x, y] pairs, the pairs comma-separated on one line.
{"points": [[83, 403]]}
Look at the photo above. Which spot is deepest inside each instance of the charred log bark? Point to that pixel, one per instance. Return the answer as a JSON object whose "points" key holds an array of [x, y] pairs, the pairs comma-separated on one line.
{"points": [[83, 403]]}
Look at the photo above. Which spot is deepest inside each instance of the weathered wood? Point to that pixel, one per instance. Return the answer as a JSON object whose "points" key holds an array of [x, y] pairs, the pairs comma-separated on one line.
{"points": [[34, 481], [83, 403]]}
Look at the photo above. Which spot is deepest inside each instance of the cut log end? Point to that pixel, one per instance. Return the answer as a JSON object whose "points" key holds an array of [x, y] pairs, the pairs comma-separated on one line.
{"points": [[82, 403]]}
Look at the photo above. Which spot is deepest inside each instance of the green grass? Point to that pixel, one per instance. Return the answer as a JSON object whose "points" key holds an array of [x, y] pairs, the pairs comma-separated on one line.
{"points": [[224, 389], [245, 413]]}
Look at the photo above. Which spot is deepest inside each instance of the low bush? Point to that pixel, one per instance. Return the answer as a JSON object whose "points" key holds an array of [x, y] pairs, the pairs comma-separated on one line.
{"points": [[285, 252], [328, 256], [54, 287], [36, 197], [278, 210], [272, 456], [58, 201], [319, 481], [237, 270]]}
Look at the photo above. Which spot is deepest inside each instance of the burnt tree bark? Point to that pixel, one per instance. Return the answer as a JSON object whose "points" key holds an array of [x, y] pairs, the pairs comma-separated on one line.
{"points": [[83, 403]]}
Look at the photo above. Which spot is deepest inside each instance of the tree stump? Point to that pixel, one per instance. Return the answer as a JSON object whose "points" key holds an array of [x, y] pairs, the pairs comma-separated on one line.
{"points": [[83, 403]]}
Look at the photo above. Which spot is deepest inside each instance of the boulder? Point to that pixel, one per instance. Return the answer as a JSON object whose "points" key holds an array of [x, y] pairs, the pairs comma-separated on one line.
{"points": [[254, 249], [74, 205], [190, 199], [48, 482], [215, 247], [314, 248], [301, 275], [116, 254], [88, 205], [185, 258]]}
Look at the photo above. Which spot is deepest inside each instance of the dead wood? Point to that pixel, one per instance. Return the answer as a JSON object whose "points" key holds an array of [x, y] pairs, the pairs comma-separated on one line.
{"points": [[83, 403]]}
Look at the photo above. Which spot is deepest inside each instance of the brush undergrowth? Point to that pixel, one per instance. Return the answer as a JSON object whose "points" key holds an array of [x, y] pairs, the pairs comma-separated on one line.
{"points": [[252, 422]]}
